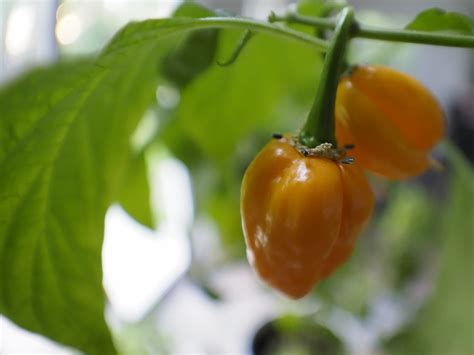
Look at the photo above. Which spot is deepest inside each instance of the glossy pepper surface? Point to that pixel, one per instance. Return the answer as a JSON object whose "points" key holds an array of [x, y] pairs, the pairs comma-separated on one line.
{"points": [[301, 215], [391, 118]]}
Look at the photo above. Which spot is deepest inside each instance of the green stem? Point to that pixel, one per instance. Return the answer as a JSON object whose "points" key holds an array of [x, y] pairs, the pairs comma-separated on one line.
{"points": [[419, 37], [292, 17], [362, 31], [320, 127], [238, 49], [256, 26]]}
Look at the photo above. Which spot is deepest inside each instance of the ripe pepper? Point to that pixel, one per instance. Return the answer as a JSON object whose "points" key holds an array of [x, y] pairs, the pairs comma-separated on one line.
{"points": [[391, 118], [301, 215]]}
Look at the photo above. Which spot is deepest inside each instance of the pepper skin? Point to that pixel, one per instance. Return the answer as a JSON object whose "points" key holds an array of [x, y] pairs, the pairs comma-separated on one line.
{"points": [[301, 215], [391, 118]]}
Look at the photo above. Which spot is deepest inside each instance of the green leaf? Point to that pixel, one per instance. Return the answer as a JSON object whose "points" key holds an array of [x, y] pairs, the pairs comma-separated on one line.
{"points": [[51, 220], [64, 147], [134, 194], [440, 20], [196, 53], [445, 324]]}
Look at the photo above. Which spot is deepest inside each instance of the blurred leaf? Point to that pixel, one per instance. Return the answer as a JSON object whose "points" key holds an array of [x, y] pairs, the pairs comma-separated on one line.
{"points": [[310, 7], [197, 51], [64, 148], [393, 54], [351, 286], [408, 228], [223, 205], [440, 20], [193, 10], [389, 254], [224, 104], [445, 324], [134, 195], [409, 215]]}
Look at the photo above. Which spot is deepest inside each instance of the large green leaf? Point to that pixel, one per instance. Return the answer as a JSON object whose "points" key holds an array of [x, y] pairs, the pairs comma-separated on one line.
{"points": [[63, 148], [440, 20], [66, 135], [51, 210]]}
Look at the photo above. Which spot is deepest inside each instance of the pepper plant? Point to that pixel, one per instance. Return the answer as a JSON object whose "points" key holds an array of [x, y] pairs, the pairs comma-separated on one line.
{"points": [[65, 133]]}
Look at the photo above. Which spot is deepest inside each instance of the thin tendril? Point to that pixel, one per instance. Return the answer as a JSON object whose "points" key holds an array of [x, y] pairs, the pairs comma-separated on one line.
{"points": [[238, 49]]}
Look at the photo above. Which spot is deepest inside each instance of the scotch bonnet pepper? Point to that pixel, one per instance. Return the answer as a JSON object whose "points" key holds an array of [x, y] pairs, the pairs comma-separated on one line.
{"points": [[391, 118], [301, 215]]}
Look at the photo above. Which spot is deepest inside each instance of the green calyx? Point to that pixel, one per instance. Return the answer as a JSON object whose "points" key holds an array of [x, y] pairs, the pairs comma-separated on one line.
{"points": [[320, 124]]}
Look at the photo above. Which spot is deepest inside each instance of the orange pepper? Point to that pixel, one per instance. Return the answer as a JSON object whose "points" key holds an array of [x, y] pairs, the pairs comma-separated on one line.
{"points": [[301, 215], [391, 118]]}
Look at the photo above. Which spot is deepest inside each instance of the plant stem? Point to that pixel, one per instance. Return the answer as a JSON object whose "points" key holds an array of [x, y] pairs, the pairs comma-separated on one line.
{"points": [[257, 26], [320, 127], [362, 31], [291, 17], [419, 37]]}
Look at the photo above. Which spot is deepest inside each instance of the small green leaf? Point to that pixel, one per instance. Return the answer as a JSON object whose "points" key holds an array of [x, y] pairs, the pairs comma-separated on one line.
{"points": [[196, 53], [134, 194], [435, 19]]}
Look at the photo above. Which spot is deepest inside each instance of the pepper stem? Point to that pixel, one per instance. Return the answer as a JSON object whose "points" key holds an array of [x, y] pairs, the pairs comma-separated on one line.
{"points": [[320, 124]]}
